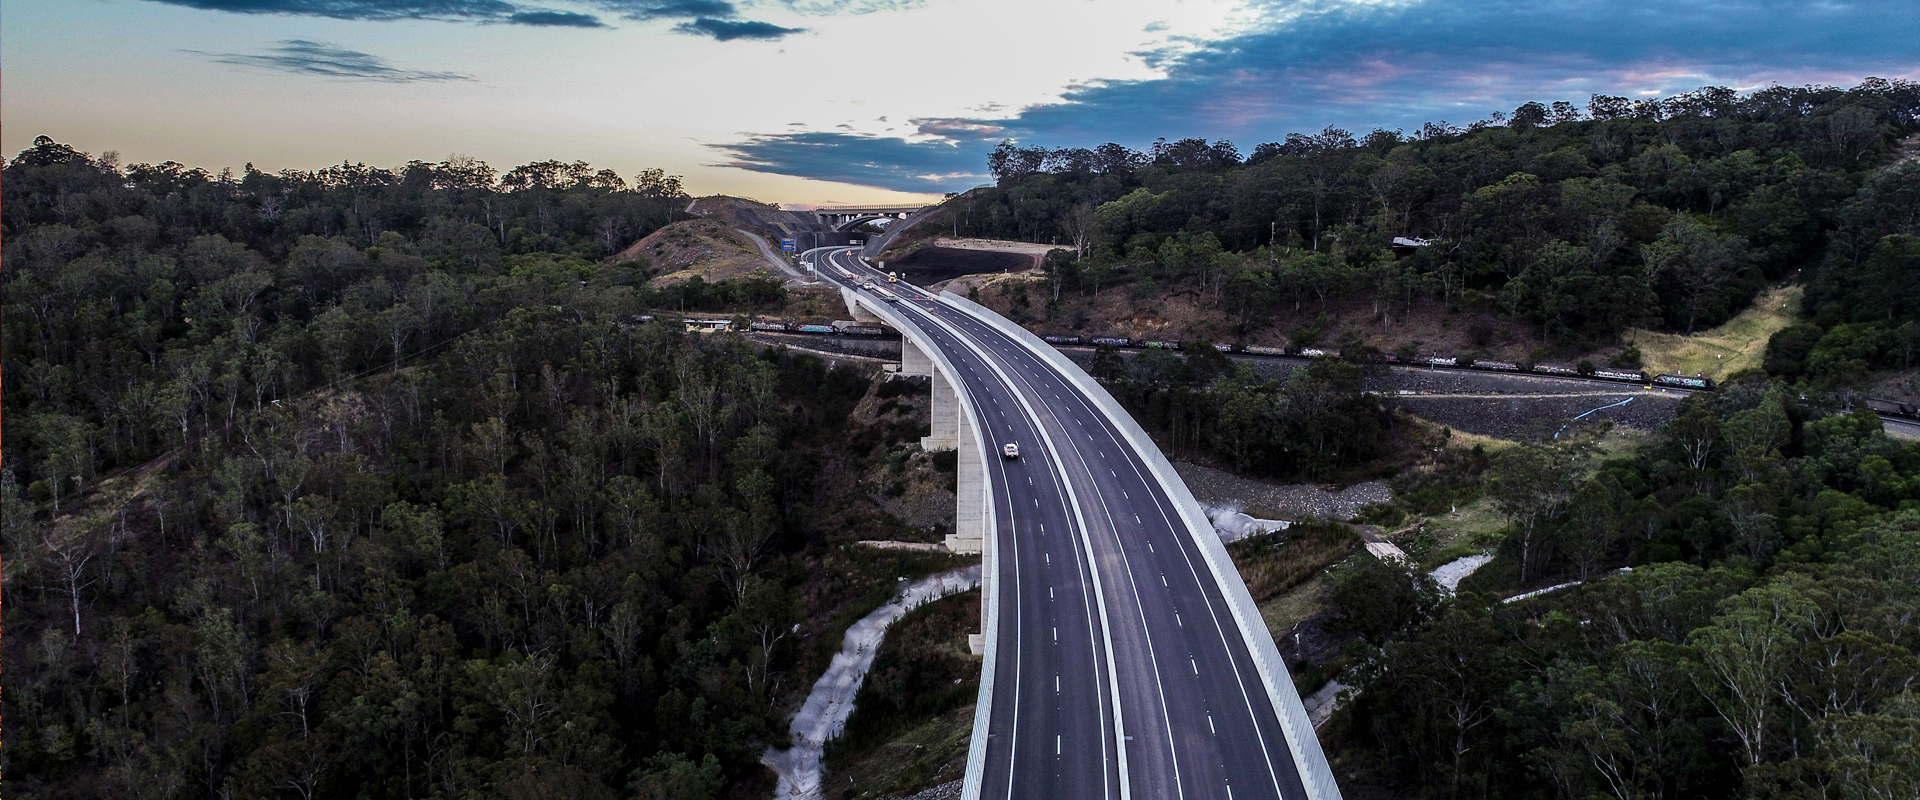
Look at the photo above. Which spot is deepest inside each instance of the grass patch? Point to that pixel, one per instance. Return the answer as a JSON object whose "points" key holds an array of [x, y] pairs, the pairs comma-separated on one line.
{"points": [[926, 755], [1274, 564], [1739, 344], [1283, 613], [1466, 531], [1619, 441]]}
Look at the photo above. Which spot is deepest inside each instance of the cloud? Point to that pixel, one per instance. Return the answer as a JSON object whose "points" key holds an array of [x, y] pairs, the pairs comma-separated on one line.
{"points": [[1398, 66], [301, 57], [671, 8], [838, 8], [1310, 63], [492, 11], [555, 19], [864, 160], [729, 30], [959, 128], [378, 10]]}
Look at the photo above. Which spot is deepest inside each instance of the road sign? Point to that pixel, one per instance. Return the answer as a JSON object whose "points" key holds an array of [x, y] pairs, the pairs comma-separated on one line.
{"points": [[786, 243]]}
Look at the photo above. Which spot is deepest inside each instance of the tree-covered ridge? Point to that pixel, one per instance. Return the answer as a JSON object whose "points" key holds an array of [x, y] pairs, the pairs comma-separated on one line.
{"points": [[1668, 213], [1763, 644], [370, 484], [147, 303]]}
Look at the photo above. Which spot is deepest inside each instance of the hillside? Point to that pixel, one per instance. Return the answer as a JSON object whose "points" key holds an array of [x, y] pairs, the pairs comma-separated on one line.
{"points": [[1186, 315], [702, 248], [1551, 233], [297, 508]]}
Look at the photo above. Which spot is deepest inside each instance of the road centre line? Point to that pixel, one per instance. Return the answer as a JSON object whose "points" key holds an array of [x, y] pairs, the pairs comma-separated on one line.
{"points": [[1161, 503], [1140, 608], [1096, 602]]}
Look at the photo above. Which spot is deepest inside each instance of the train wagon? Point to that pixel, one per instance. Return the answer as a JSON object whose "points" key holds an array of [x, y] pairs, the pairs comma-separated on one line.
{"points": [[1894, 408], [1628, 375], [1684, 381], [816, 329], [1497, 366], [1265, 350]]}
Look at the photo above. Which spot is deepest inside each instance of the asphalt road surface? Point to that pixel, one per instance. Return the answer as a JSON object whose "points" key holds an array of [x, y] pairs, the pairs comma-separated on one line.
{"points": [[1119, 670]]}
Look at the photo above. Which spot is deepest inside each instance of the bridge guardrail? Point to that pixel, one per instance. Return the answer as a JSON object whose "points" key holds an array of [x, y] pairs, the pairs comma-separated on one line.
{"points": [[989, 563], [1309, 759]]}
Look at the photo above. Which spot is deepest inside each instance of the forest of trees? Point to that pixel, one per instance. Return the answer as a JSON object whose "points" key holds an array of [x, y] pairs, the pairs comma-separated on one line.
{"points": [[371, 484], [1765, 643], [1317, 423], [1667, 213]]}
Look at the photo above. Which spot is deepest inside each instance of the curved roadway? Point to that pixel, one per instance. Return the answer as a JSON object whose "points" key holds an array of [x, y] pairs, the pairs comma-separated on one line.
{"points": [[1119, 670]]}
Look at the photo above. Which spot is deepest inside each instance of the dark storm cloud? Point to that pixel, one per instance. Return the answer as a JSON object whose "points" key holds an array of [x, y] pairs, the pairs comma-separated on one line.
{"points": [[864, 160], [1321, 63], [302, 57], [728, 30]]}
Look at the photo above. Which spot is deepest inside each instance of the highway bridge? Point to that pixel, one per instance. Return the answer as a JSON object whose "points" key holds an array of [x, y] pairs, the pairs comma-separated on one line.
{"points": [[1124, 656], [841, 218]]}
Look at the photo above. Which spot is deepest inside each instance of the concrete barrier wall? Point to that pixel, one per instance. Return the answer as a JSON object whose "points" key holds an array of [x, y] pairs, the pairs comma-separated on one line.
{"points": [[1307, 755], [989, 561]]}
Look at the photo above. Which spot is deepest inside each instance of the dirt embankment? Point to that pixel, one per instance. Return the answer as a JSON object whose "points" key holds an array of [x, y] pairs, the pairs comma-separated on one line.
{"points": [[740, 212], [697, 247], [1499, 405], [1139, 309], [927, 266]]}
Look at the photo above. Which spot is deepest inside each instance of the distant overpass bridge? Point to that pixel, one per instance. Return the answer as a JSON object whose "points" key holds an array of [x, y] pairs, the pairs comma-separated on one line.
{"points": [[1124, 656], [842, 218]]}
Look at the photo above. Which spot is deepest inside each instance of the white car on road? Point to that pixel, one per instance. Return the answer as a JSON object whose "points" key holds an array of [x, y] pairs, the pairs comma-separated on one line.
{"points": [[1012, 450]]}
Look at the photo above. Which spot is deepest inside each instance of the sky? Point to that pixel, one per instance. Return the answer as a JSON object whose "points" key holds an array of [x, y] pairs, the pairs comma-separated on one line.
{"points": [[825, 102]]}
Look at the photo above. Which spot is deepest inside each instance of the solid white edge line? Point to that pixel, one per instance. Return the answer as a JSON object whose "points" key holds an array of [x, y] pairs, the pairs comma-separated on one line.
{"points": [[970, 788], [1309, 759], [989, 575], [1099, 592]]}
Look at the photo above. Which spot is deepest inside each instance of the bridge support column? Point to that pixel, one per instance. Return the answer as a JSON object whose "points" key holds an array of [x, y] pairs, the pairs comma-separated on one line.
{"points": [[914, 361], [946, 417], [970, 498], [859, 314]]}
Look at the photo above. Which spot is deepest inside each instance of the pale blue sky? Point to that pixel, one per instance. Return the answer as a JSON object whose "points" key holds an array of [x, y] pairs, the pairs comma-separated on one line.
{"points": [[824, 101]]}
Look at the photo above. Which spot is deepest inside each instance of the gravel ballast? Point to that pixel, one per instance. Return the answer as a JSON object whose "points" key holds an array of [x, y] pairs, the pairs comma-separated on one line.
{"points": [[1292, 501]]}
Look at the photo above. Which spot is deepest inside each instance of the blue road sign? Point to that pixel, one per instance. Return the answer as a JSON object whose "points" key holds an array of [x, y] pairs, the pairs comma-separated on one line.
{"points": [[786, 243]]}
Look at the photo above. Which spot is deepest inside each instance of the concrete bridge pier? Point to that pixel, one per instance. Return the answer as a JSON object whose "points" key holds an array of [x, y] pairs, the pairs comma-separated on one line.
{"points": [[946, 417], [914, 361], [859, 313], [970, 496]]}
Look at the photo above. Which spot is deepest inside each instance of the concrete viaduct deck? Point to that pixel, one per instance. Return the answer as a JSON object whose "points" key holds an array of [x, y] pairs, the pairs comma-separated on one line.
{"points": [[1102, 578]]}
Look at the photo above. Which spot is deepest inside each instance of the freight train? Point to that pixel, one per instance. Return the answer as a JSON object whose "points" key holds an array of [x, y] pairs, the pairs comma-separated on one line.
{"points": [[840, 330], [1435, 361]]}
